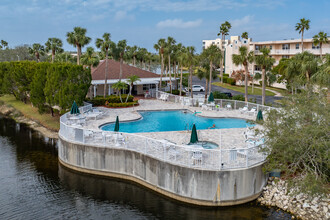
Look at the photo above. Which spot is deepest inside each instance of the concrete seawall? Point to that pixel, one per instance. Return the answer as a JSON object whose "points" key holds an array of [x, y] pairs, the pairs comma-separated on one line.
{"points": [[186, 184]]}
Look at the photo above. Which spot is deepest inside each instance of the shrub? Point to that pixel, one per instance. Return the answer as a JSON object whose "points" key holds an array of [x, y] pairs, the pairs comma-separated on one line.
{"points": [[226, 74], [177, 92], [116, 99], [231, 81], [219, 95], [121, 105], [225, 79], [238, 97]]}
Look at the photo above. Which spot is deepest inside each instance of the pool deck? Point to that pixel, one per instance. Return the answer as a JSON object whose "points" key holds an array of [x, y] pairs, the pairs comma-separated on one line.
{"points": [[226, 138]]}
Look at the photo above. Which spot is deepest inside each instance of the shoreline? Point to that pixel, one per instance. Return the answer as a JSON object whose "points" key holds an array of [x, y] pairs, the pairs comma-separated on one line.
{"points": [[11, 112]]}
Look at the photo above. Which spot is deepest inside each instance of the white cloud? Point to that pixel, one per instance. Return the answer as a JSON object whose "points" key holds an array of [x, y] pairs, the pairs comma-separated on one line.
{"points": [[242, 21], [122, 15], [179, 23]]}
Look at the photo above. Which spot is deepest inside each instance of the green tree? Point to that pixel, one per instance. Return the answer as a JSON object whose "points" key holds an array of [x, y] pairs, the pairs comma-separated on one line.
{"points": [[205, 71], [301, 27], [170, 44], [37, 50], [191, 60], [3, 44], [90, 58], [266, 63], [105, 45], [322, 76], [211, 55], [182, 60], [298, 140], [119, 86], [78, 39], [131, 80], [37, 95], [55, 46], [244, 58], [132, 51], [245, 35], [160, 47], [119, 50], [320, 38], [305, 63], [224, 31], [65, 57]]}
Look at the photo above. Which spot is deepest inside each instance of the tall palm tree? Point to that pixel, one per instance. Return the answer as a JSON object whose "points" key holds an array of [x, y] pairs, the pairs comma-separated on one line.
{"points": [[105, 45], [131, 80], [301, 27], [191, 60], [133, 52], [265, 62], [119, 51], [89, 58], [321, 38], [211, 55], [224, 30], [244, 58], [160, 46], [37, 50], [78, 39], [169, 51], [304, 64], [3, 44], [54, 45], [204, 72], [182, 59], [141, 56], [176, 50], [245, 35]]}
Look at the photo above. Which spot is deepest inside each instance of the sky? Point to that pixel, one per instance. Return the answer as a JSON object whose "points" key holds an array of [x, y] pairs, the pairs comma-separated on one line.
{"points": [[143, 22]]}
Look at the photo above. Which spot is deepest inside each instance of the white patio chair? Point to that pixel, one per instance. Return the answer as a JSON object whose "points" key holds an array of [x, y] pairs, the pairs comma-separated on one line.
{"points": [[228, 106], [252, 111], [244, 109]]}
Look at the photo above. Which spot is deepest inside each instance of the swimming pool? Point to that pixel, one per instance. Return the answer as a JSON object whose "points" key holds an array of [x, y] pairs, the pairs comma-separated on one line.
{"points": [[157, 121]]}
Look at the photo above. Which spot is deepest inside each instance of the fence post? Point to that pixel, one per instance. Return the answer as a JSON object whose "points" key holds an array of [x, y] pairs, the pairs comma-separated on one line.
{"points": [[257, 107], [235, 104], [220, 103], [247, 158]]}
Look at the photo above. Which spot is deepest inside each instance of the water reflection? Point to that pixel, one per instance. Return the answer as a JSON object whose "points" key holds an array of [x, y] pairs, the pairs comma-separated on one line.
{"points": [[34, 186]]}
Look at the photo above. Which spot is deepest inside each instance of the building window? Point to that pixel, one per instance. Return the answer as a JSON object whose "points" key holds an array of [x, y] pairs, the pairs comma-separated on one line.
{"points": [[285, 56], [270, 47], [217, 42], [285, 46], [297, 46], [257, 68], [244, 41], [257, 47], [213, 43], [315, 46], [235, 41], [145, 87], [203, 42]]}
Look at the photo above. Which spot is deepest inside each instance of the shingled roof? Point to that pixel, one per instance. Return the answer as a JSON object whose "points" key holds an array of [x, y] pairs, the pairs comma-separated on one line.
{"points": [[113, 71]]}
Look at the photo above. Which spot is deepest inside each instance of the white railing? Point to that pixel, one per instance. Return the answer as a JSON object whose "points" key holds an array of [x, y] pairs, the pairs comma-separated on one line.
{"points": [[199, 99], [183, 155]]}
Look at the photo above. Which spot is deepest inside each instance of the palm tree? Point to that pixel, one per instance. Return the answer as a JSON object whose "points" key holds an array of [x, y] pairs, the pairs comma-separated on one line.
{"points": [[131, 80], [37, 50], [211, 55], [78, 39], [89, 58], [204, 72], [133, 52], [304, 64], [244, 58], [105, 44], [141, 56], [245, 35], [224, 30], [160, 46], [265, 62], [119, 86], [3, 44], [301, 27], [320, 38], [169, 50], [182, 59], [55, 46], [119, 50], [191, 59]]}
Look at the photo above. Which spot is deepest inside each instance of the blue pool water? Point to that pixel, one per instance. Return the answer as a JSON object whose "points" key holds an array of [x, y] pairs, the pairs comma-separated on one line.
{"points": [[157, 121]]}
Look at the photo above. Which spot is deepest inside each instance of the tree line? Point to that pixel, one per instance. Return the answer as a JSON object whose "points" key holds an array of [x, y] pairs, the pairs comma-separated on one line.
{"points": [[47, 86]]}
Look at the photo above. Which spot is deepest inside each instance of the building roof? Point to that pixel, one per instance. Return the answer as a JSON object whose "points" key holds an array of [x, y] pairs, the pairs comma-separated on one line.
{"points": [[113, 71]]}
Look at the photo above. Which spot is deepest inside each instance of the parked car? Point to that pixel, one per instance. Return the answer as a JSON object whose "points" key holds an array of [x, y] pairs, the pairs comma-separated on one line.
{"points": [[196, 88]]}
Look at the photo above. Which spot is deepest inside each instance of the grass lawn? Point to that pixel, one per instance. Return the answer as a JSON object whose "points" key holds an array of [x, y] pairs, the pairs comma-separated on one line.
{"points": [[256, 91], [28, 111]]}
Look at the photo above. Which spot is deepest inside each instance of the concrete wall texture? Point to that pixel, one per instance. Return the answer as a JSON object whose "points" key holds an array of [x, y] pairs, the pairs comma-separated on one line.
{"points": [[190, 185]]}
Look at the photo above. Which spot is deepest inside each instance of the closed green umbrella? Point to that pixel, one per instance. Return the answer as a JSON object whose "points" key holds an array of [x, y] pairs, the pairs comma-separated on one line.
{"points": [[74, 108], [211, 97], [193, 138], [259, 116], [117, 124]]}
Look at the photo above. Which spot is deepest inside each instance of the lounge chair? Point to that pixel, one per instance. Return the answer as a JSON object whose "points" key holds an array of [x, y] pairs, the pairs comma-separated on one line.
{"points": [[244, 109], [228, 106], [253, 111]]}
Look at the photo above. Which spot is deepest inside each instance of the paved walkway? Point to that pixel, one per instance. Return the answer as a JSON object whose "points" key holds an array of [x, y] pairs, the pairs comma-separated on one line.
{"points": [[227, 138]]}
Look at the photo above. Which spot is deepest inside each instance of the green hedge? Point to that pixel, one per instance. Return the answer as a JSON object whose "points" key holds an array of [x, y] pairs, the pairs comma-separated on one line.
{"points": [[238, 97], [231, 81], [177, 92], [120, 105], [219, 95], [100, 100]]}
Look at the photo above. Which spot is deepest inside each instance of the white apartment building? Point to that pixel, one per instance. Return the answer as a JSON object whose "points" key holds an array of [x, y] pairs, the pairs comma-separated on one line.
{"points": [[278, 49]]}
